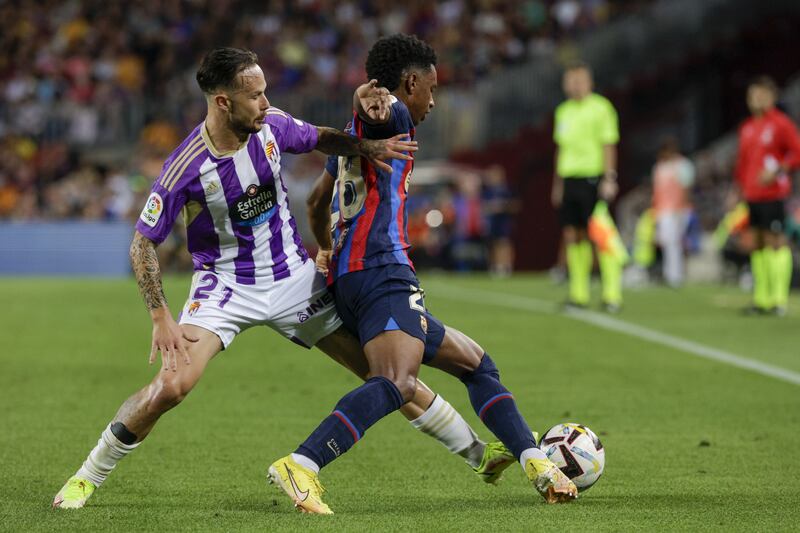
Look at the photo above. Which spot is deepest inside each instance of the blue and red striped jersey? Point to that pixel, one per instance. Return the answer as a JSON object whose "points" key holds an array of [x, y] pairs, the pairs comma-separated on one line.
{"points": [[369, 205]]}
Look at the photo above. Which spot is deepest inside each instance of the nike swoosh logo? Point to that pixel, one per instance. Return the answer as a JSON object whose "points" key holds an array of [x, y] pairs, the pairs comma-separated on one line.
{"points": [[303, 495]]}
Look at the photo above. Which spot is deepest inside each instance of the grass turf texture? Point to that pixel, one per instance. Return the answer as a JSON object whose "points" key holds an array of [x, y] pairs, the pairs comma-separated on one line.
{"points": [[691, 444]]}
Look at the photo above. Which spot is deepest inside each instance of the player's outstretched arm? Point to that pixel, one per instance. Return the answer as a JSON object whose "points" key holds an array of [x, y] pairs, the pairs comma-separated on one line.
{"points": [[168, 338], [335, 142], [318, 207]]}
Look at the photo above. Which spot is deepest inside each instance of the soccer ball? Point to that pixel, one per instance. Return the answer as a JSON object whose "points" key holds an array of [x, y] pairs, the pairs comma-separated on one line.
{"points": [[577, 451]]}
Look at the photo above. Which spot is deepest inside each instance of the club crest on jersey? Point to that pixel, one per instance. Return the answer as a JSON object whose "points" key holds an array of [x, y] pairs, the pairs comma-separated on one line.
{"points": [[271, 152], [255, 206], [152, 210]]}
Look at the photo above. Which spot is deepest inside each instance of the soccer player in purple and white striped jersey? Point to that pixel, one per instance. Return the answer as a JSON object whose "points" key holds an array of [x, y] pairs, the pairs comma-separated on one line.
{"points": [[250, 266]]}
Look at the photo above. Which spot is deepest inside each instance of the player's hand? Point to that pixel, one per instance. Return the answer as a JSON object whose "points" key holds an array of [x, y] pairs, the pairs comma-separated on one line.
{"points": [[171, 340], [375, 101], [608, 189], [323, 261], [377, 152], [767, 176]]}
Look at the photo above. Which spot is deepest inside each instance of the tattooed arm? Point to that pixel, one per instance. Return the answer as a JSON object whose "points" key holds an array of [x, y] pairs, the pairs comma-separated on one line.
{"points": [[332, 141], [167, 334], [148, 273]]}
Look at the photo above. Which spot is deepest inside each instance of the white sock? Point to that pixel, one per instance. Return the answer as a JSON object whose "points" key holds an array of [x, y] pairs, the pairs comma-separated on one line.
{"points": [[442, 422], [302, 460], [104, 457], [531, 453]]}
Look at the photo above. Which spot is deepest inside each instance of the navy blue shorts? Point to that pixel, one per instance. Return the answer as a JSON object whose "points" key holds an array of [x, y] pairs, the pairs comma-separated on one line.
{"points": [[387, 298]]}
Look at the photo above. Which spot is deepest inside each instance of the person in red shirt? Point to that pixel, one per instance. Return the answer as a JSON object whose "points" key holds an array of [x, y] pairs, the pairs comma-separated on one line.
{"points": [[769, 148]]}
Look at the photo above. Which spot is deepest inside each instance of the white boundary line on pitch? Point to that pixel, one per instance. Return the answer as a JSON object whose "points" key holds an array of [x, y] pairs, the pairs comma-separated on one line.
{"points": [[525, 303]]}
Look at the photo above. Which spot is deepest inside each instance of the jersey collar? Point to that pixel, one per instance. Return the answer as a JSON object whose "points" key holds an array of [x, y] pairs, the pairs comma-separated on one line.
{"points": [[213, 149]]}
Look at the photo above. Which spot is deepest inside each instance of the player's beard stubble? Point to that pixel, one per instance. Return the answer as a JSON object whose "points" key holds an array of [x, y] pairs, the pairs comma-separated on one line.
{"points": [[239, 125]]}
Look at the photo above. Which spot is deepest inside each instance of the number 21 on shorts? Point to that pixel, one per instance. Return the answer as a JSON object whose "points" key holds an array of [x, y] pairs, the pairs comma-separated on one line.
{"points": [[206, 285]]}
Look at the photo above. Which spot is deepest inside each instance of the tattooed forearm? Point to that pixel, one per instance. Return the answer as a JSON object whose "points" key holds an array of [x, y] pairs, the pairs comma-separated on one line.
{"points": [[332, 141], [148, 272]]}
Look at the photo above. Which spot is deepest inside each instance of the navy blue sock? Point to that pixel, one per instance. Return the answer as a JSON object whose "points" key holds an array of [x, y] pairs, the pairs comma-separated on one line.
{"points": [[354, 414], [496, 407]]}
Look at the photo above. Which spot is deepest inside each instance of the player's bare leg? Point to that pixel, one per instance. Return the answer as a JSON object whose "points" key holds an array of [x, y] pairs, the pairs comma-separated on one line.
{"points": [[140, 412], [136, 417], [345, 349]]}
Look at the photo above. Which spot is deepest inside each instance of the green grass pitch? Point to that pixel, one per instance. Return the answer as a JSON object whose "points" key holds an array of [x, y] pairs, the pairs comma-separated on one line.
{"points": [[73, 350]]}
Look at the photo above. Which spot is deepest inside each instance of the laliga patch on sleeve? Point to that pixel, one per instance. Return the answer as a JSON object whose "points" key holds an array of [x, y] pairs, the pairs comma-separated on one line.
{"points": [[152, 210], [299, 122]]}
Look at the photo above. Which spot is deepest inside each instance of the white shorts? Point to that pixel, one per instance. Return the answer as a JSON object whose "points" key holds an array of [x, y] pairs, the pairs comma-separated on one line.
{"points": [[299, 307]]}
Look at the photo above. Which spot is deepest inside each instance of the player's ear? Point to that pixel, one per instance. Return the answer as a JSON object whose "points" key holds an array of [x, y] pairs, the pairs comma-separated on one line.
{"points": [[411, 82], [221, 101]]}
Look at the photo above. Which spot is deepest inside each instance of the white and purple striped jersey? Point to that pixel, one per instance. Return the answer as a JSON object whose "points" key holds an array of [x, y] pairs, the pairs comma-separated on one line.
{"points": [[234, 204]]}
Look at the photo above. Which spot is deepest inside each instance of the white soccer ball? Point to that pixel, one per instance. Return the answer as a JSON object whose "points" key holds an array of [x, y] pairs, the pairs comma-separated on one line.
{"points": [[577, 451]]}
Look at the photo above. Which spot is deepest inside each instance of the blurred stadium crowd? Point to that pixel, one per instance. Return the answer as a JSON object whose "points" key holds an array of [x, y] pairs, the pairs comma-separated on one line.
{"points": [[72, 74], [95, 94]]}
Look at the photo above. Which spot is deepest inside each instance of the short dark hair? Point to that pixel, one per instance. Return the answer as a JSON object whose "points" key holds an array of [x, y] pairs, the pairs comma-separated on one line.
{"points": [[391, 56], [221, 66], [767, 83]]}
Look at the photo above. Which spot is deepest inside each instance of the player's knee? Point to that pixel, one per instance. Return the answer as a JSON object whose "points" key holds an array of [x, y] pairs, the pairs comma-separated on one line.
{"points": [[167, 391], [406, 385], [486, 368]]}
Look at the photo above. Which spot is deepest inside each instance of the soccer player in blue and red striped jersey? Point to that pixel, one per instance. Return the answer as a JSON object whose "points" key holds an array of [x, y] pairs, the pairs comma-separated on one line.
{"points": [[378, 295], [372, 204]]}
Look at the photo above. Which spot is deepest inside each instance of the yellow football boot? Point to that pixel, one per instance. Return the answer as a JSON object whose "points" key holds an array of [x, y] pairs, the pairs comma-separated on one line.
{"points": [[73, 494], [496, 458], [552, 483], [300, 484]]}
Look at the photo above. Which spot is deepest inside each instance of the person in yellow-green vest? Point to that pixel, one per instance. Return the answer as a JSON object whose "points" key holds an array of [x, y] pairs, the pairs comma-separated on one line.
{"points": [[586, 133]]}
